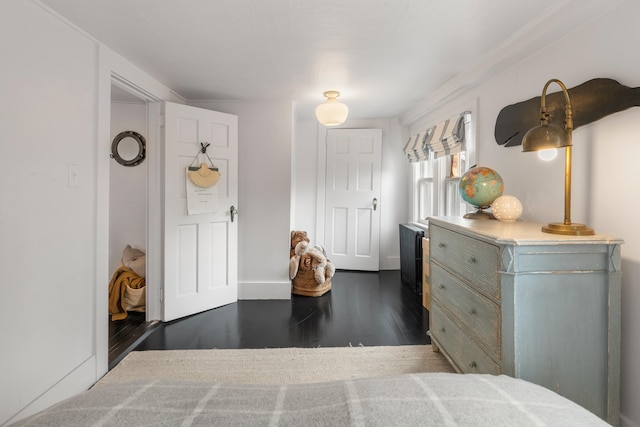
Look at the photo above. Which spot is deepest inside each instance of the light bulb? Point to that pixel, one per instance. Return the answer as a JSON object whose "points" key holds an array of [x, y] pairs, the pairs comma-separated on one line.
{"points": [[548, 154]]}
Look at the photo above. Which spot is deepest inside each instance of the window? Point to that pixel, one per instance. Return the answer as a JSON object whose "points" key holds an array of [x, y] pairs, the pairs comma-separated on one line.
{"points": [[436, 174], [424, 190], [453, 203]]}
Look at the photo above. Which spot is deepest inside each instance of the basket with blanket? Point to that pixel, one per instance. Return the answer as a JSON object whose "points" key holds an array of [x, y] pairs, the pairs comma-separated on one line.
{"points": [[127, 288], [309, 269]]}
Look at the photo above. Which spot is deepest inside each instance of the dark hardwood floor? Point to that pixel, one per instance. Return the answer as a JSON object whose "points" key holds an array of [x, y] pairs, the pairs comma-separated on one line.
{"points": [[363, 308], [125, 334]]}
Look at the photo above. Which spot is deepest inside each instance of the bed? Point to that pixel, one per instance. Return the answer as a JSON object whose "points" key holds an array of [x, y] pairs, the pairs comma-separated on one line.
{"points": [[429, 399]]}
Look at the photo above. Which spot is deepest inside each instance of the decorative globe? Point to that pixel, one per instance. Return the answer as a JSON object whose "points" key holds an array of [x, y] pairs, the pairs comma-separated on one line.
{"points": [[506, 208], [480, 186]]}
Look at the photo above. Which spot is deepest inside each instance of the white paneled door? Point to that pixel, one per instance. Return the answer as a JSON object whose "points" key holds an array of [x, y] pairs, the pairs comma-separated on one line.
{"points": [[200, 250], [352, 216]]}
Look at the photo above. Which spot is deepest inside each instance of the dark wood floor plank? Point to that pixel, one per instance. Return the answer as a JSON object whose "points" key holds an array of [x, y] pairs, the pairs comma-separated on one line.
{"points": [[363, 308], [126, 334]]}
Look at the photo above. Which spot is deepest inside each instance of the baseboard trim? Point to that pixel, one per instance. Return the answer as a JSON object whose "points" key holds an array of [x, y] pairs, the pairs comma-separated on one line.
{"points": [[264, 290], [390, 263], [78, 380]]}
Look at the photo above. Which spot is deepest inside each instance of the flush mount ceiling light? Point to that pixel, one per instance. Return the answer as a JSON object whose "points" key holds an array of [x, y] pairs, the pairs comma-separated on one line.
{"points": [[547, 136], [331, 112]]}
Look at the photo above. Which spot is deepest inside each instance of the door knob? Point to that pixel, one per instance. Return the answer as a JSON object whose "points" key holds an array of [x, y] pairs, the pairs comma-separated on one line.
{"points": [[375, 203], [233, 212]]}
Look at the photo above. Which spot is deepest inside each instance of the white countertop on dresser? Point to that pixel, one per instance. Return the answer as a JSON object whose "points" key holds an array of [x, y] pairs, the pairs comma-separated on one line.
{"points": [[520, 232]]}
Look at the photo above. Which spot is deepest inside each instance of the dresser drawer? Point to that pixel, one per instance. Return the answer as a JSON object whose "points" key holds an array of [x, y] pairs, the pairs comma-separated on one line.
{"points": [[473, 260], [479, 316], [468, 357], [536, 281]]}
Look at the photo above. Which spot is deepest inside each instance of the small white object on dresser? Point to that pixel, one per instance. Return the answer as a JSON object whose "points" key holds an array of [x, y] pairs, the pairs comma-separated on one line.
{"points": [[507, 298]]}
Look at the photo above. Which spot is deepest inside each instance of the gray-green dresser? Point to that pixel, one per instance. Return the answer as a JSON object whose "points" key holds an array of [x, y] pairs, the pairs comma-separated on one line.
{"points": [[507, 298]]}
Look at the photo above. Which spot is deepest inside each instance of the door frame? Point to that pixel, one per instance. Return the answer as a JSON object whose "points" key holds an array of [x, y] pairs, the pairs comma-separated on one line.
{"points": [[321, 185], [114, 69], [154, 212], [108, 77]]}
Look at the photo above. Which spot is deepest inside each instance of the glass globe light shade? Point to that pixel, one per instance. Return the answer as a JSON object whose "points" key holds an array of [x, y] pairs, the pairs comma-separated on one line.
{"points": [[506, 208], [332, 112]]}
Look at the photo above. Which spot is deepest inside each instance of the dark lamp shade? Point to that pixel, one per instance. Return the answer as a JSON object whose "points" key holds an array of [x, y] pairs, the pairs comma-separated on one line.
{"points": [[545, 137]]}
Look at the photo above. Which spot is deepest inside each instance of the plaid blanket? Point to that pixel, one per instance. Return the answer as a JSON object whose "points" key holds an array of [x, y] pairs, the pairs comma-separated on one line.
{"points": [[435, 399]]}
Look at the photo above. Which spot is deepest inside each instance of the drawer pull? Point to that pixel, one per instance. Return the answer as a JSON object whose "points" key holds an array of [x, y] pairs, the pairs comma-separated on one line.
{"points": [[441, 286], [442, 330], [473, 364], [441, 245], [472, 311], [472, 260]]}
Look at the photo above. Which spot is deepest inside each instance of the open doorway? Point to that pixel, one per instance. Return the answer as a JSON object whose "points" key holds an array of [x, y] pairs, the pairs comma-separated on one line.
{"points": [[128, 215]]}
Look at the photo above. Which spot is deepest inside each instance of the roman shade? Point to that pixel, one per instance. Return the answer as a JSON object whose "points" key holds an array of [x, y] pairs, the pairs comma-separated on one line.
{"points": [[417, 148], [443, 139]]}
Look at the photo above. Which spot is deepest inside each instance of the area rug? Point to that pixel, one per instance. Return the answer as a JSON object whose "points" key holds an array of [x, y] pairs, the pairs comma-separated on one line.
{"points": [[277, 366]]}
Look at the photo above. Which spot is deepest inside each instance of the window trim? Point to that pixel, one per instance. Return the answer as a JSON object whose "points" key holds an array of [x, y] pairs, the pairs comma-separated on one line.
{"points": [[434, 170]]}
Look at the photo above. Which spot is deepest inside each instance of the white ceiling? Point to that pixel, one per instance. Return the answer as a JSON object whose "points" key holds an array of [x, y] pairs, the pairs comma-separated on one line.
{"points": [[384, 56]]}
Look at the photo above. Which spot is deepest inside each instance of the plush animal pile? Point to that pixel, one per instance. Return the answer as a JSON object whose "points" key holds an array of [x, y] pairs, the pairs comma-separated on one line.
{"points": [[309, 260]]}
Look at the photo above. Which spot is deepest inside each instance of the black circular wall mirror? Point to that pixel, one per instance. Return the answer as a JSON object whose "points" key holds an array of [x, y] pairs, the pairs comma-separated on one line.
{"points": [[128, 148]]}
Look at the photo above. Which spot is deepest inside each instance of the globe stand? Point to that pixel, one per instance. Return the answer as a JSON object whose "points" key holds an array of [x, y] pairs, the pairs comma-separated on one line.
{"points": [[480, 214]]}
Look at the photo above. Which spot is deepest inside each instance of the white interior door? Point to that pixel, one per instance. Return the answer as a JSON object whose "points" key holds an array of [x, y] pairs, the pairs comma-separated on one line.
{"points": [[200, 251], [352, 215]]}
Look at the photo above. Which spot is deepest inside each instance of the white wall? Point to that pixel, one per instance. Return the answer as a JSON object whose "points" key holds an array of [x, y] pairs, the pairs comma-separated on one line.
{"points": [[47, 227], [305, 178], [127, 187], [265, 132], [55, 90], [308, 194], [605, 158]]}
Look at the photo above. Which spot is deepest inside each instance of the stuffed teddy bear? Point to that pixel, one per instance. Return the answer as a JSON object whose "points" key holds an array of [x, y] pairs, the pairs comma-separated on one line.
{"points": [[307, 257], [134, 259], [297, 237]]}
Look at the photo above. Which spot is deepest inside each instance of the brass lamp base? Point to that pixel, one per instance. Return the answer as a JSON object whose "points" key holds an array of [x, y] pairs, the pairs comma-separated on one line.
{"points": [[480, 213], [572, 229]]}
